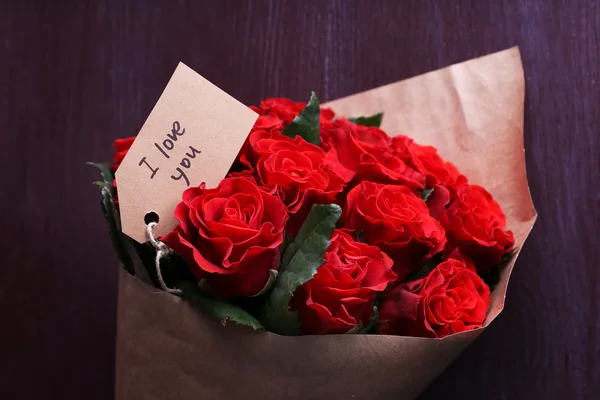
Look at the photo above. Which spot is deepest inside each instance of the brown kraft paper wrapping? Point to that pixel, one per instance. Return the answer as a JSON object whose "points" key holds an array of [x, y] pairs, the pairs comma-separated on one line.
{"points": [[473, 113]]}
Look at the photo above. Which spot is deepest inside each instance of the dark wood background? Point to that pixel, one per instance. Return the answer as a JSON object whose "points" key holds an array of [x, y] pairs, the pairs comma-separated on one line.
{"points": [[75, 75]]}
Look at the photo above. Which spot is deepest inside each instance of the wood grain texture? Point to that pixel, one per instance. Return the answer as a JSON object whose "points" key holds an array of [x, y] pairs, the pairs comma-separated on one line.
{"points": [[76, 75]]}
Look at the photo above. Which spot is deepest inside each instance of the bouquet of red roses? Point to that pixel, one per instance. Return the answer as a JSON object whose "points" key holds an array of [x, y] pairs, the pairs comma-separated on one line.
{"points": [[324, 225]]}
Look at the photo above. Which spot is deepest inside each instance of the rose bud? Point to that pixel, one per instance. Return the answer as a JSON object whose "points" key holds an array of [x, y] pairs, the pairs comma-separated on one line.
{"points": [[397, 221], [474, 223], [342, 293], [449, 300], [229, 236]]}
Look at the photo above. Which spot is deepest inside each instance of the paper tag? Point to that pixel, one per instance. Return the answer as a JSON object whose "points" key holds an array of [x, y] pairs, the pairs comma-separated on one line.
{"points": [[192, 135]]}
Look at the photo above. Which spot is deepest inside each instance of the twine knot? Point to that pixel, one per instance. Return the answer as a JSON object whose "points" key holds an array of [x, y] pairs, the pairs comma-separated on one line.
{"points": [[162, 251]]}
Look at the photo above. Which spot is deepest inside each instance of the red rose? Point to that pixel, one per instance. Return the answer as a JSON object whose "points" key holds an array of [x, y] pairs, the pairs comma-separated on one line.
{"points": [[342, 293], [449, 300], [327, 114], [365, 154], [274, 115], [284, 109], [474, 223], [456, 254], [397, 221], [268, 122], [299, 170], [427, 161], [245, 162], [229, 235], [122, 146]]}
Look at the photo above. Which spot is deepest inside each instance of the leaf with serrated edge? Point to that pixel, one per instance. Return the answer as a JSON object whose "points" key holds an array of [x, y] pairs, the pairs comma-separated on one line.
{"points": [[220, 311], [300, 263], [270, 282], [122, 244], [105, 171], [114, 228], [310, 224], [307, 123], [373, 120]]}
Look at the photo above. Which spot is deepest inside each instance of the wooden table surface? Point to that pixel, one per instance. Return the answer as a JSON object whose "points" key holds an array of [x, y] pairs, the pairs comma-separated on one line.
{"points": [[75, 75]]}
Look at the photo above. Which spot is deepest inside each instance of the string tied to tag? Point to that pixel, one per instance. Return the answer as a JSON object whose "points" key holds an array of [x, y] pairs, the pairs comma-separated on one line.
{"points": [[162, 251]]}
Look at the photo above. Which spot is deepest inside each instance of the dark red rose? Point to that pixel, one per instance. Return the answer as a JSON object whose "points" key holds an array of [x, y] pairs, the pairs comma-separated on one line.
{"points": [[449, 300], [229, 235], [342, 293], [474, 223], [397, 221], [428, 162], [366, 154], [122, 146], [299, 170]]}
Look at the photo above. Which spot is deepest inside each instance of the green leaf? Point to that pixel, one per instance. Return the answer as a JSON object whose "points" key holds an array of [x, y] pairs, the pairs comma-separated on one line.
{"points": [[373, 120], [307, 123], [360, 328], [123, 245], [299, 264], [493, 277], [105, 171], [318, 220], [218, 310], [372, 321], [357, 329], [270, 282], [507, 258], [287, 241], [425, 193], [114, 227], [359, 236]]}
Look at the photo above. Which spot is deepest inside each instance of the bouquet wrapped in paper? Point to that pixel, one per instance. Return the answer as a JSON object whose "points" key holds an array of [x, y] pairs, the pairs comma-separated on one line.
{"points": [[348, 250]]}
